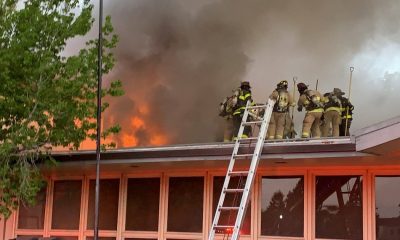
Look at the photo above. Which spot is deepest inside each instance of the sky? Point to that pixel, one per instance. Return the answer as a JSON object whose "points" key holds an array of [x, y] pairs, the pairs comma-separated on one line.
{"points": [[178, 59]]}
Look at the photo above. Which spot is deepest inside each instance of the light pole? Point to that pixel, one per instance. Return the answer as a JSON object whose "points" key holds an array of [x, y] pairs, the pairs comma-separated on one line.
{"points": [[99, 80]]}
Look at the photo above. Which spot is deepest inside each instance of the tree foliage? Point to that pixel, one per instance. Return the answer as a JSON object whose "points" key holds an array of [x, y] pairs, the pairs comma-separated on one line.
{"points": [[46, 99]]}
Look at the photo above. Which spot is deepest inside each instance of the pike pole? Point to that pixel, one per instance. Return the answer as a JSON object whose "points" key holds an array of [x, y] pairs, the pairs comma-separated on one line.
{"points": [[316, 85], [347, 107], [294, 92]]}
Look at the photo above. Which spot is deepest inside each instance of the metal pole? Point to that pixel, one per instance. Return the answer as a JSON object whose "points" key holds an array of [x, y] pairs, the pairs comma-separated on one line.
{"points": [[348, 99], [316, 85], [98, 139], [294, 92]]}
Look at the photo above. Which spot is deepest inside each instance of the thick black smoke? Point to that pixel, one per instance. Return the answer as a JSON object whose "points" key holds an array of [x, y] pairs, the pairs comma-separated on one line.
{"points": [[181, 57]]}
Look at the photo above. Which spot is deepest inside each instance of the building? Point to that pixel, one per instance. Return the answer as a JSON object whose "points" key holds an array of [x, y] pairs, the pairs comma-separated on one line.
{"points": [[343, 188]]}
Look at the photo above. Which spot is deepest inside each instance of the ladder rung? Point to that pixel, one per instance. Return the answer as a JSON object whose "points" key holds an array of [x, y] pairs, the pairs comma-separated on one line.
{"points": [[233, 190], [257, 106], [248, 139], [252, 123], [228, 208], [223, 227], [243, 155], [238, 173]]}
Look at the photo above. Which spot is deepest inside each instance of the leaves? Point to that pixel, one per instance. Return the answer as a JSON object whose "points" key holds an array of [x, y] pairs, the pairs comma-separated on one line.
{"points": [[46, 99]]}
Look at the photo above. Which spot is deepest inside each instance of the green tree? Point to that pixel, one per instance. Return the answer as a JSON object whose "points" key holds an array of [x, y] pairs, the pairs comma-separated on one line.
{"points": [[46, 99]]}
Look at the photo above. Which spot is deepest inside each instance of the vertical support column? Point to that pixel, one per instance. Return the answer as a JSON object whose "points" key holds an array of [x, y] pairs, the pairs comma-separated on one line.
{"points": [[162, 224], [48, 207], [121, 205]]}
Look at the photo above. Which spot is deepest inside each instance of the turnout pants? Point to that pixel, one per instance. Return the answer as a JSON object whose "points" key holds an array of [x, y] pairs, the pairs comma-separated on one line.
{"points": [[342, 130], [276, 125], [237, 120], [312, 122], [333, 118]]}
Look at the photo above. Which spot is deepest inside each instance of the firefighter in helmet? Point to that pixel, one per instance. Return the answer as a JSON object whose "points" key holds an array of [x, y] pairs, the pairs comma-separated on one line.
{"points": [[242, 99], [332, 112], [347, 116], [280, 111], [311, 100]]}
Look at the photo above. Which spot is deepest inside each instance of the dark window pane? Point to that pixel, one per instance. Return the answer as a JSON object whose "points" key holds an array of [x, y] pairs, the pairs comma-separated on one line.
{"points": [[185, 204], [108, 205], [228, 218], [387, 197], [66, 204], [101, 238], [63, 238], [29, 237], [339, 207], [282, 206], [141, 239], [32, 217], [143, 201]]}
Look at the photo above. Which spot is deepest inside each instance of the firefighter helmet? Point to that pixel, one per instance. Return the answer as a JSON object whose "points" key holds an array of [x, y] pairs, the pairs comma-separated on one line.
{"points": [[282, 84], [302, 87], [245, 84], [338, 92]]}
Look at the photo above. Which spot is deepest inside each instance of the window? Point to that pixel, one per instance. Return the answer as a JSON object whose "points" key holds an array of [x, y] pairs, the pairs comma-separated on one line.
{"points": [[32, 217], [387, 201], [66, 204], [108, 205], [185, 204], [228, 218], [143, 201], [282, 206], [28, 237], [101, 238], [63, 238], [338, 205]]}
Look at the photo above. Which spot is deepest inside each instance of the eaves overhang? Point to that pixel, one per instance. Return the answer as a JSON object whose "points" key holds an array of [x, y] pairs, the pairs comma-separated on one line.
{"points": [[284, 149]]}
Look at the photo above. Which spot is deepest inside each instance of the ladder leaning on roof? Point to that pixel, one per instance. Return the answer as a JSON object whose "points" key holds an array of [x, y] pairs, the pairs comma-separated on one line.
{"points": [[248, 174]]}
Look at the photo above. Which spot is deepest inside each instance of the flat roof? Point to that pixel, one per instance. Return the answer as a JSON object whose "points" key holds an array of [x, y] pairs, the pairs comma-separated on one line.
{"points": [[366, 141]]}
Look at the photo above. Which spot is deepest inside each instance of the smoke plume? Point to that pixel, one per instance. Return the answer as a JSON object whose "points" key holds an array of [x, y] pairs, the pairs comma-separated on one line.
{"points": [[178, 59]]}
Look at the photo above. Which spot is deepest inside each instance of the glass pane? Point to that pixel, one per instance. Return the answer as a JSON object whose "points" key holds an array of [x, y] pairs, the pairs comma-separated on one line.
{"points": [[108, 205], [101, 238], [63, 238], [228, 217], [387, 197], [143, 201], [282, 206], [29, 237], [185, 204], [339, 207], [140, 238], [66, 204], [32, 217]]}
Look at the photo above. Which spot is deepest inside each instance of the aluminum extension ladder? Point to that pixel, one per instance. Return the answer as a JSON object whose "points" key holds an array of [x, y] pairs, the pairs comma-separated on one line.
{"points": [[250, 173]]}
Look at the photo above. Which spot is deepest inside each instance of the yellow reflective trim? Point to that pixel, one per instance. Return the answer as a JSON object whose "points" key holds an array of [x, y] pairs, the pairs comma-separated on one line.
{"points": [[305, 134], [316, 110], [333, 109], [278, 136], [247, 95], [244, 136], [271, 137]]}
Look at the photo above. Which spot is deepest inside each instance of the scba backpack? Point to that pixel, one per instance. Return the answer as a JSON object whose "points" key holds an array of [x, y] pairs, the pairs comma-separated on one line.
{"points": [[314, 99], [227, 105], [282, 102]]}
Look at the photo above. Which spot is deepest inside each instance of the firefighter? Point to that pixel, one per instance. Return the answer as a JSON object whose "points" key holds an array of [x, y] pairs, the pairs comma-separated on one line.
{"points": [[311, 100], [280, 111], [226, 111], [332, 112], [243, 97], [347, 116]]}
